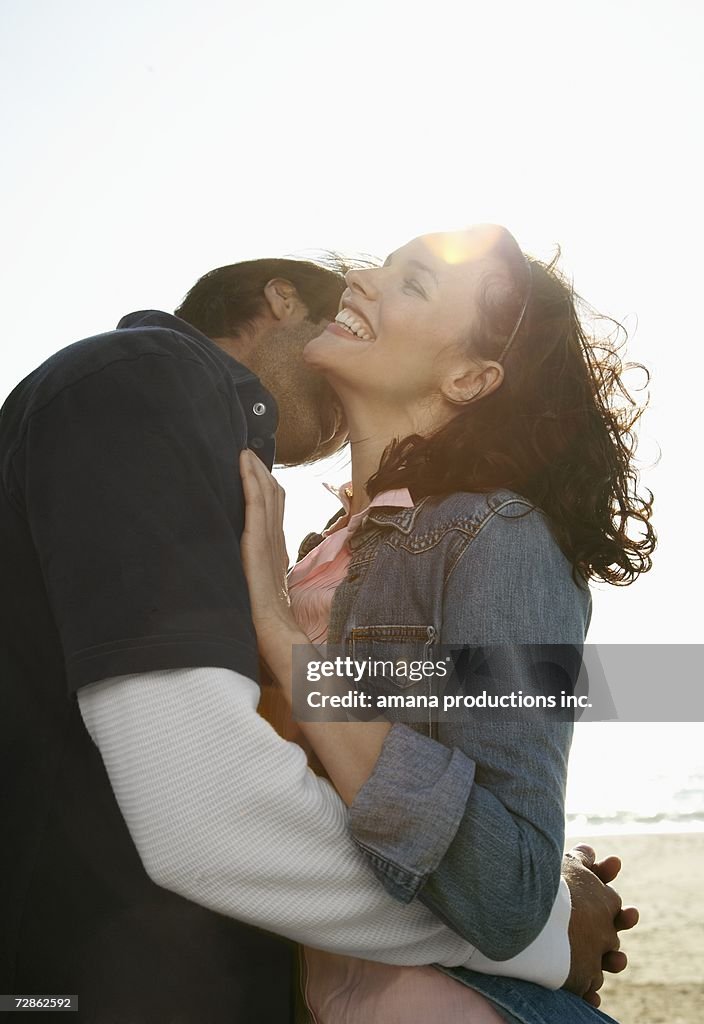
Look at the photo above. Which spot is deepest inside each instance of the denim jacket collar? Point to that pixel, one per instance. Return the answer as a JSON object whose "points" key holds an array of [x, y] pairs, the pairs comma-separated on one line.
{"points": [[401, 519]]}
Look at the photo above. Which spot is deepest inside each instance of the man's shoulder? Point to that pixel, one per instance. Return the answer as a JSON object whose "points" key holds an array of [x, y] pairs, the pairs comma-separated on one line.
{"points": [[137, 337], [147, 333]]}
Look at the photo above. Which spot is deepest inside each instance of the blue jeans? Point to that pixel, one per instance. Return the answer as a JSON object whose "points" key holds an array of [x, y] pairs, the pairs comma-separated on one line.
{"points": [[526, 1003]]}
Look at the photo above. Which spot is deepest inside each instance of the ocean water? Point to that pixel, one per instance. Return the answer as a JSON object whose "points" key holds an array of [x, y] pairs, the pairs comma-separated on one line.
{"points": [[628, 777]]}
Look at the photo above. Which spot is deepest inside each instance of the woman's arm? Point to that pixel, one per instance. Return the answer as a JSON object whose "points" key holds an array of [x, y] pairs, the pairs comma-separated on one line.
{"points": [[349, 750], [510, 593]]}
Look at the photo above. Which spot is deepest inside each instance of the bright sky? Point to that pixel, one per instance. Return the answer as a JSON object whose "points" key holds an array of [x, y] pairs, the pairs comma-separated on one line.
{"points": [[147, 142]]}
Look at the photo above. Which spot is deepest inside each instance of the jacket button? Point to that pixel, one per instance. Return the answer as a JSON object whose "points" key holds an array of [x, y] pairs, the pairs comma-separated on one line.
{"points": [[256, 442], [258, 408]]}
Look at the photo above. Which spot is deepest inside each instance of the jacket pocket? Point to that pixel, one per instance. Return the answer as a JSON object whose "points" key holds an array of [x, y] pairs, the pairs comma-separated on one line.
{"points": [[400, 668]]}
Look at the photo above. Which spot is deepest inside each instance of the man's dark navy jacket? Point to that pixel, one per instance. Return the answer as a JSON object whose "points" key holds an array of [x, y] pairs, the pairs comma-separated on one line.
{"points": [[121, 510]]}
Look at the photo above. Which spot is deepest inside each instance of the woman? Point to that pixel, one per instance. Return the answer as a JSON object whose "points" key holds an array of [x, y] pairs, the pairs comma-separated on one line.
{"points": [[478, 408]]}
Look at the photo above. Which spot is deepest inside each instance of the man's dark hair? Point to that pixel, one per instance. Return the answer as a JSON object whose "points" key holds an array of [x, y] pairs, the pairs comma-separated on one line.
{"points": [[230, 299]]}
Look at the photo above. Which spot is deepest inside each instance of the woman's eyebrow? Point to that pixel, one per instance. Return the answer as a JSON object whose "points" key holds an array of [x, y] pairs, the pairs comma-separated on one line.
{"points": [[422, 266], [417, 265]]}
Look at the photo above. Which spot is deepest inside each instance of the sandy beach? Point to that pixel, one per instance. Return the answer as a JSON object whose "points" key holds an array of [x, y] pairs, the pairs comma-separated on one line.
{"points": [[663, 875]]}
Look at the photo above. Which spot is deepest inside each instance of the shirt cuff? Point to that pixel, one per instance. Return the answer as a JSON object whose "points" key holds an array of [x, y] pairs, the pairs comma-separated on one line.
{"points": [[546, 961], [407, 813]]}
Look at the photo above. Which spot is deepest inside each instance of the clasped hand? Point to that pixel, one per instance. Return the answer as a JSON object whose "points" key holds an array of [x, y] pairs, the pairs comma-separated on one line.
{"points": [[597, 917]]}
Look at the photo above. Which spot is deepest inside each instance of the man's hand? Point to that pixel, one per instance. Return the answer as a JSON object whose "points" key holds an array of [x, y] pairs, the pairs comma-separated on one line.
{"points": [[597, 917]]}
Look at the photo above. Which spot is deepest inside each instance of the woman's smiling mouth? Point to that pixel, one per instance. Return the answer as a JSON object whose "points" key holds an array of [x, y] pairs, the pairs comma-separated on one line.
{"points": [[353, 324]]}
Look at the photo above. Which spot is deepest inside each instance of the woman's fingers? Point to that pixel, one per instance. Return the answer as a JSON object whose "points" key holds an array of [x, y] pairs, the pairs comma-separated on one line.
{"points": [[607, 869], [592, 996], [263, 540], [627, 918], [614, 962], [613, 901], [253, 494], [260, 488], [263, 548], [258, 477]]}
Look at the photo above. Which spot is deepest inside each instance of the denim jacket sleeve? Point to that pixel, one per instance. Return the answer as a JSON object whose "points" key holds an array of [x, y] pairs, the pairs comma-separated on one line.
{"points": [[474, 826]]}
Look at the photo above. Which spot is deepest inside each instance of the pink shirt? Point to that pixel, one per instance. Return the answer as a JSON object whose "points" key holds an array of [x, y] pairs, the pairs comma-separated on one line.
{"points": [[343, 989], [313, 581]]}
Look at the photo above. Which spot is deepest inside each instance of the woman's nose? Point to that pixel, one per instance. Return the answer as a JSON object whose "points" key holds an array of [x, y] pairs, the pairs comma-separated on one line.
{"points": [[363, 282]]}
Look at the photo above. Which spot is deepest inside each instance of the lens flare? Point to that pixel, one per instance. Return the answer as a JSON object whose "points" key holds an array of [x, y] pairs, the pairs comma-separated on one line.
{"points": [[464, 246]]}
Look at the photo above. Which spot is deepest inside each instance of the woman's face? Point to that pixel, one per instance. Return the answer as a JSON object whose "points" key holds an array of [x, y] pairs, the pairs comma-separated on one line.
{"points": [[402, 329]]}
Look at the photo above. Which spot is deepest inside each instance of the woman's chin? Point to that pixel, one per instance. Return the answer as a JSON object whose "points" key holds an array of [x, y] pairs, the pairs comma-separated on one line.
{"points": [[319, 352], [328, 350]]}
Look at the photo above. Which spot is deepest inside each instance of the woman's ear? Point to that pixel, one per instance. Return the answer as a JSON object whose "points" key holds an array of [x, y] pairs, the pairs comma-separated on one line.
{"points": [[473, 384], [284, 301]]}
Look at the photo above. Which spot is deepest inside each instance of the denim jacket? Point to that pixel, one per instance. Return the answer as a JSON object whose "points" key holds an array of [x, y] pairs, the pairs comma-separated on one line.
{"points": [[473, 825]]}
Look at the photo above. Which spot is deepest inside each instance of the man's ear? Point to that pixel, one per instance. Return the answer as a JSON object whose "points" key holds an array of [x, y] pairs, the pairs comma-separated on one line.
{"points": [[473, 384], [284, 301]]}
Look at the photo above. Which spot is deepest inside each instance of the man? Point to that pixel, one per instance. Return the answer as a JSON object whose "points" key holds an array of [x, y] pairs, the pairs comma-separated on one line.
{"points": [[121, 510]]}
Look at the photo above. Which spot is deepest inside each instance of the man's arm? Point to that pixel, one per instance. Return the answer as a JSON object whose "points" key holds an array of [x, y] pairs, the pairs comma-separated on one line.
{"points": [[226, 813]]}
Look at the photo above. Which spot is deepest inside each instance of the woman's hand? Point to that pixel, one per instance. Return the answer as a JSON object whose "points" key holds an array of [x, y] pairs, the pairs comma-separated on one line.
{"points": [[597, 918], [263, 550]]}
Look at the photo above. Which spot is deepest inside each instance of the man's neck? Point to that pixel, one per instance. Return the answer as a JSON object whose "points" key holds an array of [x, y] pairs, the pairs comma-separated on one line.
{"points": [[238, 348]]}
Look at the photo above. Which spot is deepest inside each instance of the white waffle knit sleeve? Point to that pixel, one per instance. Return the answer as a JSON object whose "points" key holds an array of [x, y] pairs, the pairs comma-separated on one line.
{"points": [[227, 814]]}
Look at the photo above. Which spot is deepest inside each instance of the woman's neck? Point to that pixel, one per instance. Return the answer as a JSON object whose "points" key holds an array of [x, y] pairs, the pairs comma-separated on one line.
{"points": [[370, 435], [366, 457]]}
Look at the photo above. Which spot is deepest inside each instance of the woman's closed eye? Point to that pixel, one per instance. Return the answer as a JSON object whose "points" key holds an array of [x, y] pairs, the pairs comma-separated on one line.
{"points": [[410, 284]]}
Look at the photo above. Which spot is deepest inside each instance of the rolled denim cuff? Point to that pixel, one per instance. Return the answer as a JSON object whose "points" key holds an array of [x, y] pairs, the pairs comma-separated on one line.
{"points": [[408, 811]]}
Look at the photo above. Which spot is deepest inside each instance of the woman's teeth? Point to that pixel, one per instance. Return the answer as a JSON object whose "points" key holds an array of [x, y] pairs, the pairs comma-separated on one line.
{"points": [[353, 324]]}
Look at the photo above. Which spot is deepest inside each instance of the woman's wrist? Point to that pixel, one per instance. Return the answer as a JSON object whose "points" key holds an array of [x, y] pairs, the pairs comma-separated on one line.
{"points": [[278, 629], [277, 635]]}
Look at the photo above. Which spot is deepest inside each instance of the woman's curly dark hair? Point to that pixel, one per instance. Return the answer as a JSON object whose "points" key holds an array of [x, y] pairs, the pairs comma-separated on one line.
{"points": [[559, 430]]}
